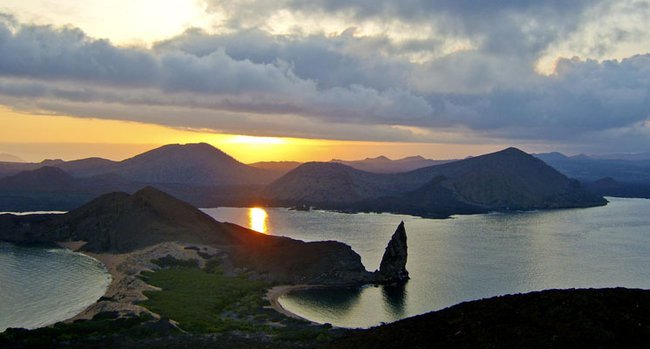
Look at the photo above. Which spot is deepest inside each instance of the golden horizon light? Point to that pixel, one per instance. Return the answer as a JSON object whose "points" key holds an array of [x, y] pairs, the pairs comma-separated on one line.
{"points": [[35, 137]]}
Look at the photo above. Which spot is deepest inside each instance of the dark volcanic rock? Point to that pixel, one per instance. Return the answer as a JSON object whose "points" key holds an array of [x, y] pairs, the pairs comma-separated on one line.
{"points": [[393, 263], [296, 262]]}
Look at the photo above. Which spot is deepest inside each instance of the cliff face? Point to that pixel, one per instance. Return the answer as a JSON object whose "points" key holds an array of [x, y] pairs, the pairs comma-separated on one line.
{"points": [[292, 261], [393, 263]]}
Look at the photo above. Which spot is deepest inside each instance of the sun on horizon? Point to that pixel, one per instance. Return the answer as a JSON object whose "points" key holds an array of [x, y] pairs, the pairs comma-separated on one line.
{"points": [[35, 137]]}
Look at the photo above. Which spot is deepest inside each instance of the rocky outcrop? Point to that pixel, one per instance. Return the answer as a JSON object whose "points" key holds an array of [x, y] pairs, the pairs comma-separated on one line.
{"points": [[393, 263]]}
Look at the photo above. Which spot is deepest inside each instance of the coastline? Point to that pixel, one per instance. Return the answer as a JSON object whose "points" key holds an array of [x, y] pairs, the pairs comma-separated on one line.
{"points": [[126, 288], [274, 293]]}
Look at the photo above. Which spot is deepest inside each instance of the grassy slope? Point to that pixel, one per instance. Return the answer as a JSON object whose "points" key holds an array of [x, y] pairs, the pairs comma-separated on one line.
{"points": [[206, 301]]}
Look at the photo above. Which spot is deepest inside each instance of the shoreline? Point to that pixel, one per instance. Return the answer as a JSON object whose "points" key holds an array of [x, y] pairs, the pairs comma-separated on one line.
{"points": [[125, 290], [273, 296]]}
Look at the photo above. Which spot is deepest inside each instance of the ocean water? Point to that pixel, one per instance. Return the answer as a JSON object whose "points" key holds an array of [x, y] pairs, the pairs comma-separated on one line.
{"points": [[466, 257], [40, 286]]}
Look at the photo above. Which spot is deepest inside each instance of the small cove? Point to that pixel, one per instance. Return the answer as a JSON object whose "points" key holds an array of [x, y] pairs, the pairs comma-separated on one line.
{"points": [[40, 286], [468, 257]]}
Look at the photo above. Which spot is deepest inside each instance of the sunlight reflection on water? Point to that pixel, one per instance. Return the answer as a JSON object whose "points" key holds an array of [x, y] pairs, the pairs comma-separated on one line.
{"points": [[258, 219]]}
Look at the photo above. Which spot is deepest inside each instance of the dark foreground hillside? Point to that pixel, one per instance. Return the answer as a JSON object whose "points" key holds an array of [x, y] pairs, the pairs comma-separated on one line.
{"points": [[587, 318]]}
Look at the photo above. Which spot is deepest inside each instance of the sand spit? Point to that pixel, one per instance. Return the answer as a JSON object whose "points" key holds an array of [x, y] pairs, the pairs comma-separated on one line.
{"points": [[126, 288]]}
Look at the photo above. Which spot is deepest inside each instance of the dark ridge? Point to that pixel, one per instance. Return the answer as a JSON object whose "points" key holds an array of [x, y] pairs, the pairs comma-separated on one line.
{"points": [[382, 164], [585, 318], [45, 178], [588, 169]]}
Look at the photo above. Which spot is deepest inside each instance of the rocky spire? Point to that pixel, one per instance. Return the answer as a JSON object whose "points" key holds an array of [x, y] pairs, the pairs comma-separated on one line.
{"points": [[393, 263]]}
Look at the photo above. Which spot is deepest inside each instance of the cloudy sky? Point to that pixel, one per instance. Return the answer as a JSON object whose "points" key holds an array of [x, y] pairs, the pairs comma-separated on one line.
{"points": [[438, 77]]}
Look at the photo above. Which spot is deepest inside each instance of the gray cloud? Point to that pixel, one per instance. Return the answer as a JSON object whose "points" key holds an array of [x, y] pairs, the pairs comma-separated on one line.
{"points": [[344, 85], [40, 54]]}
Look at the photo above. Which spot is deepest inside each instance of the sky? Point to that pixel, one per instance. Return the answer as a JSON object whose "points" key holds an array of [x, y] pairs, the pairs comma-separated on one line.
{"points": [[321, 79]]}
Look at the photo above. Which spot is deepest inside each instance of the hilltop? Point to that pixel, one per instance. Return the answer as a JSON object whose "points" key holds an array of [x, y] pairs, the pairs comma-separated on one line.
{"points": [[199, 173], [506, 180], [198, 164]]}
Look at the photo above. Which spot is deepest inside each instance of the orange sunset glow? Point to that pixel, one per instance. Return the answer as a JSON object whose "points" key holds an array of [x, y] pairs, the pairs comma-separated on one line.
{"points": [[34, 137]]}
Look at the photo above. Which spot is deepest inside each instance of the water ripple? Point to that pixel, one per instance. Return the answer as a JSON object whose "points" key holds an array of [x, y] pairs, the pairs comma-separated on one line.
{"points": [[40, 286]]}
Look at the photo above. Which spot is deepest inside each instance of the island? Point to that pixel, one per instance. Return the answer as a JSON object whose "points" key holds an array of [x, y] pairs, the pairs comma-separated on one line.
{"points": [[177, 270]]}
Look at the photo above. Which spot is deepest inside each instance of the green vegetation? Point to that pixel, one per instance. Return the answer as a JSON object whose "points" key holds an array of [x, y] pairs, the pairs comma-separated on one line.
{"points": [[169, 261], [206, 300]]}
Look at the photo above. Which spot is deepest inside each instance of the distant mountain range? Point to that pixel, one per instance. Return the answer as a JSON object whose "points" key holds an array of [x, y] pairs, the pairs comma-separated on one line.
{"points": [[380, 164], [280, 167], [622, 156], [611, 177], [383, 164], [199, 173], [505, 180], [192, 164], [207, 177], [586, 168]]}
